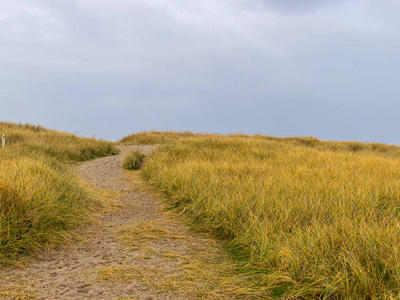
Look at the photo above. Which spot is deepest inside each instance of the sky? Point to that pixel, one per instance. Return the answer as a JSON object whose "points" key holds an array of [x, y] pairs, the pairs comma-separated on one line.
{"points": [[328, 69]]}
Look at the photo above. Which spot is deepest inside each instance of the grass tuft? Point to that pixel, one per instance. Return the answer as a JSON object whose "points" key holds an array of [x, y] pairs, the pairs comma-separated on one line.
{"points": [[133, 160]]}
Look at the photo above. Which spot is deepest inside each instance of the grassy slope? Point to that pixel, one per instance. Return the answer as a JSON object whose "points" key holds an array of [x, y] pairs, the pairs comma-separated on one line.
{"points": [[41, 199], [319, 219]]}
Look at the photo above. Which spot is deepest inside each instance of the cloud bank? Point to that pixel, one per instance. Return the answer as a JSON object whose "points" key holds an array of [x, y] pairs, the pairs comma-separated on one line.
{"points": [[321, 68]]}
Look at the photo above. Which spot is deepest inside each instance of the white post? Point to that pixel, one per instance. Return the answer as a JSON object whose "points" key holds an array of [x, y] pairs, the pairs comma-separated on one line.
{"points": [[3, 141]]}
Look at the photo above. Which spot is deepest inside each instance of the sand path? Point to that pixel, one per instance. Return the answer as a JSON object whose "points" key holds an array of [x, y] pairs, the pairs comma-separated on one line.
{"points": [[136, 251]]}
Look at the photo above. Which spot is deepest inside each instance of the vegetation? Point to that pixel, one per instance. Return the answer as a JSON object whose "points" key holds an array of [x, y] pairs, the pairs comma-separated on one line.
{"points": [[168, 137], [318, 219], [41, 199], [65, 147], [193, 270], [155, 137], [133, 160]]}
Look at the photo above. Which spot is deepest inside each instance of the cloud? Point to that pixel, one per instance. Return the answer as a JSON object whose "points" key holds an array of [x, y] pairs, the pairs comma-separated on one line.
{"points": [[275, 67]]}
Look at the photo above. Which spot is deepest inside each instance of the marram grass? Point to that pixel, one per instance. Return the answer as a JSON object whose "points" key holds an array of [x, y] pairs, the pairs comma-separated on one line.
{"points": [[133, 160], [66, 147], [154, 137], [41, 199], [319, 219]]}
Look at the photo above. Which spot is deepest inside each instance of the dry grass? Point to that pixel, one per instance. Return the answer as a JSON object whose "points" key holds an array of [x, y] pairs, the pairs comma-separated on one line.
{"points": [[133, 160], [21, 291], [317, 219], [193, 270], [154, 137], [168, 137], [41, 200], [66, 147]]}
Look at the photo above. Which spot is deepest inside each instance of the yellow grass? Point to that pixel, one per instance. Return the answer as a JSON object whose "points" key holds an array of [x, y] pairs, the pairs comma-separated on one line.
{"points": [[133, 160], [41, 200], [66, 147], [318, 219], [154, 137], [191, 271]]}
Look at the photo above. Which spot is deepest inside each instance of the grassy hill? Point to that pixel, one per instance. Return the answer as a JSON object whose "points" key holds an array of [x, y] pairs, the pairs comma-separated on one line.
{"points": [[317, 219], [41, 199]]}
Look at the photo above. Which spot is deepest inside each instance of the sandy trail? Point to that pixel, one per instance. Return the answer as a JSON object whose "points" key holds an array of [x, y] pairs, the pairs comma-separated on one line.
{"points": [[134, 252]]}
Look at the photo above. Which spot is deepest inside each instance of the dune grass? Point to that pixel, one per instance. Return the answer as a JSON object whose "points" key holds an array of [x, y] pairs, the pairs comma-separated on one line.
{"points": [[318, 219], [168, 137], [65, 147], [155, 137], [133, 160], [41, 199], [196, 270]]}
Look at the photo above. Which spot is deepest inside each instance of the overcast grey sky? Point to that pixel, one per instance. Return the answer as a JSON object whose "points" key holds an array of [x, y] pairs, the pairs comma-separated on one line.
{"points": [[103, 68]]}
